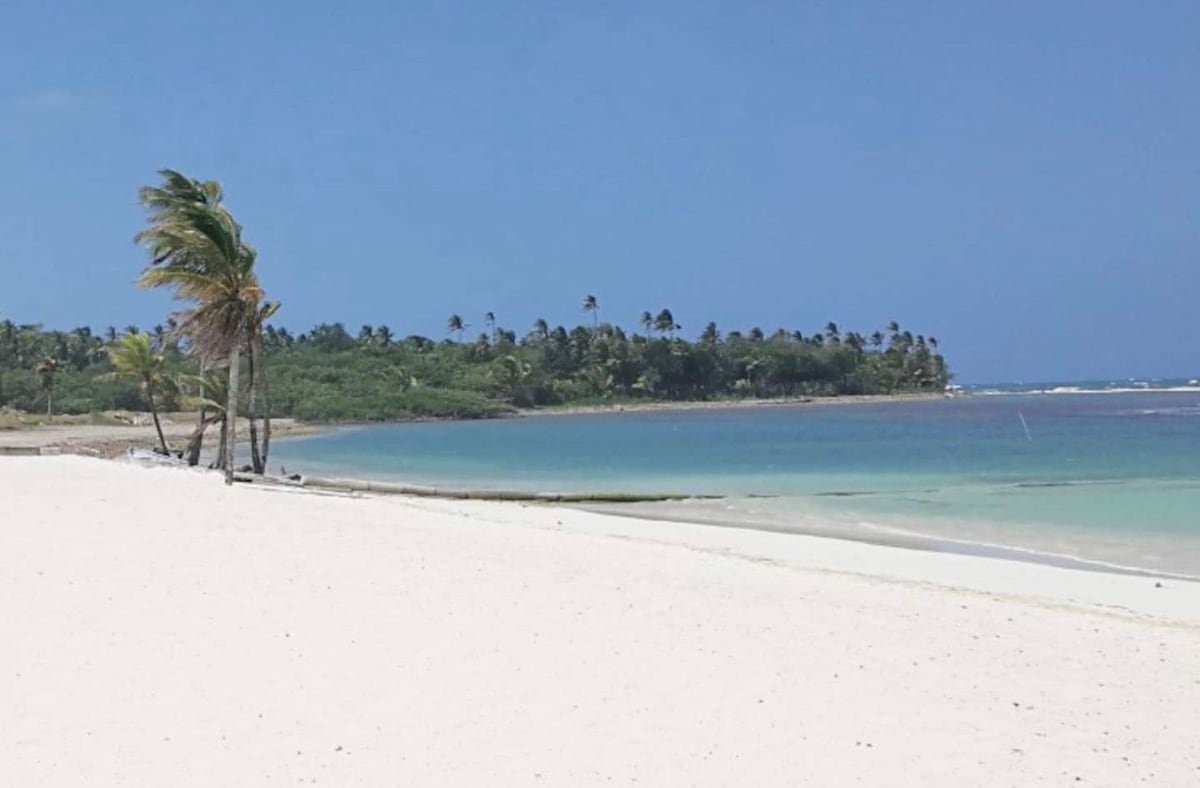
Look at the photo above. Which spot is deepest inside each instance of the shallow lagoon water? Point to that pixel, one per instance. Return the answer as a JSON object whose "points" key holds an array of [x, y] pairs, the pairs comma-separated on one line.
{"points": [[1112, 478]]}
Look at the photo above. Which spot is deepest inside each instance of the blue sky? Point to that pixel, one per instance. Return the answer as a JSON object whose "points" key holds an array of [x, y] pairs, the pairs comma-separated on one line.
{"points": [[1020, 179]]}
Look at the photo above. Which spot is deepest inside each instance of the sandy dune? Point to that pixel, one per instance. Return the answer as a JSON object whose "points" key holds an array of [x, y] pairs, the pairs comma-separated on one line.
{"points": [[160, 629]]}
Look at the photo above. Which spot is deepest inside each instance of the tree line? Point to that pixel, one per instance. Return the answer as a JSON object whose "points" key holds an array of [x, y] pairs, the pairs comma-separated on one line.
{"points": [[599, 362], [213, 355]]}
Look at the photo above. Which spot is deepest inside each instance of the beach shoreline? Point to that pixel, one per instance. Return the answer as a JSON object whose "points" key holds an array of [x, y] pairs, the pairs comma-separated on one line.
{"points": [[165, 629], [113, 440], [891, 538], [731, 404]]}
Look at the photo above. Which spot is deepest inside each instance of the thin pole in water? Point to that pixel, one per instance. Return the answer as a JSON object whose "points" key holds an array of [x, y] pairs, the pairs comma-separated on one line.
{"points": [[1021, 416]]}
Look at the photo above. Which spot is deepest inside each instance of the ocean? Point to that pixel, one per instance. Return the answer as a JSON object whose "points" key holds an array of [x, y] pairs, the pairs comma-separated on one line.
{"points": [[1101, 476]]}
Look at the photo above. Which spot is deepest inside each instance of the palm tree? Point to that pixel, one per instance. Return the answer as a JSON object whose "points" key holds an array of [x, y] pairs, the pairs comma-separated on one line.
{"points": [[258, 386], [665, 323], [893, 328], [456, 325], [384, 335], [196, 249], [47, 368], [647, 321], [211, 398], [133, 357], [541, 328], [489, 320], [591, 305], [831, 332]]}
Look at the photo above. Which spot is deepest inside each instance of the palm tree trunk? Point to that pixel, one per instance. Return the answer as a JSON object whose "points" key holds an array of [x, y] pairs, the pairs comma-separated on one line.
{"points": [[255, 460], [261, 367], [195, 441], [162, 441], [221, 446], [50, 404], [231, 411]]}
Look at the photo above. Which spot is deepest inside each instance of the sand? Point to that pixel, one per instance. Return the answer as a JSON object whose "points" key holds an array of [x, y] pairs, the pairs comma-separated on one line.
{"points": [[637, 406], [160, 629], [111, 440]]}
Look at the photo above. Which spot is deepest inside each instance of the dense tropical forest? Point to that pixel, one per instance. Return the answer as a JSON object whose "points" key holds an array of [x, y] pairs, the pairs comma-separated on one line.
{"points": [[331, 373], [213, 355]]}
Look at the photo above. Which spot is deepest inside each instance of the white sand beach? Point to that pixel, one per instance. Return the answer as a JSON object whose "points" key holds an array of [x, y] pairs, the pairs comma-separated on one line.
{"points": [[161, 629]]}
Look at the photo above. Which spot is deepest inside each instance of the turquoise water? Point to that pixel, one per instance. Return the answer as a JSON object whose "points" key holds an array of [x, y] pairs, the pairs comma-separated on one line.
{"points": [[1112, 478]]}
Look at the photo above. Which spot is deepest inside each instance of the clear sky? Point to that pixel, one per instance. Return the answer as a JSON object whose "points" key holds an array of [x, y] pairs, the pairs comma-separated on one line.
{"points": [[1020, 179]]}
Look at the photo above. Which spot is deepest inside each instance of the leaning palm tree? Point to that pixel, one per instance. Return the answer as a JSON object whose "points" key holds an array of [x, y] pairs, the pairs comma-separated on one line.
{"points": [[210, 399], [591, 305], [47, 369], [196, 250], [133, 357]]}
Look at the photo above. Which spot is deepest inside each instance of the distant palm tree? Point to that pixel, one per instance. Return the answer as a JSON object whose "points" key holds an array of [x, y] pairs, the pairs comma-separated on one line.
{"points": [[665, 323], [489, 320], [647, 321], [133, 357], [384, 335], [591, 305], [831, 332], [47, 369], [196, 249], [541, 328], [455, 324]]}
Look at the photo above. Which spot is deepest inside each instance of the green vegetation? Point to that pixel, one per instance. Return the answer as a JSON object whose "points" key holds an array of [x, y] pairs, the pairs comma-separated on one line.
{"points": [[134, 358], [225, 332], [329, 374]]}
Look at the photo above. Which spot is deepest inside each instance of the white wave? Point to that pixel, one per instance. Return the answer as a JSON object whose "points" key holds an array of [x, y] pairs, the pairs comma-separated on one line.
{"points": [[1125, 390]]}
